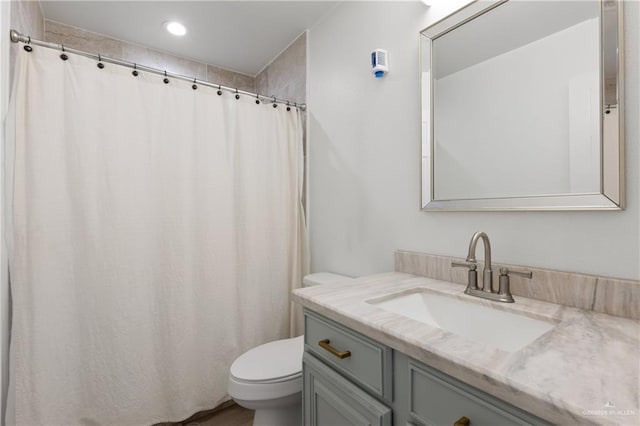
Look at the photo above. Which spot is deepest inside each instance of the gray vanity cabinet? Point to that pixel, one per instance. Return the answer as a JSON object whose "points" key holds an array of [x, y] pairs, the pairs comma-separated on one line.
{"points": [[345, 387], [437, 399], [350, 379]]}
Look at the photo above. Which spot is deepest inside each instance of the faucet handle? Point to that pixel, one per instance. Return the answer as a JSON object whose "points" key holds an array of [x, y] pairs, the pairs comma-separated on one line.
{"points": [[471, 265], [524, 274], [473, 273], [504, 286]]}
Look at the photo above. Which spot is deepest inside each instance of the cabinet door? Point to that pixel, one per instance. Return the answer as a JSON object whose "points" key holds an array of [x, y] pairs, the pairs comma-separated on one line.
{"points": [[436, 399], [332, 400]]}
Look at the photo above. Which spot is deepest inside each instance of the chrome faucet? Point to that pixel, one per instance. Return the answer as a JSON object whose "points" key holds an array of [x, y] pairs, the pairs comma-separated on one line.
{"points": [[504, 290]]}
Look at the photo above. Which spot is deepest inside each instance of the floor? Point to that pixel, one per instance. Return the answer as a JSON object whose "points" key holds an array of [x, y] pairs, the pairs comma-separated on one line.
{"points": [[230, 414], [234, 415]]}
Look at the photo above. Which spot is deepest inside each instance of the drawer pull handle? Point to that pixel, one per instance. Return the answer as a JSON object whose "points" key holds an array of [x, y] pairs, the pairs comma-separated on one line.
{"points": [[324, 344], [462, 421]]}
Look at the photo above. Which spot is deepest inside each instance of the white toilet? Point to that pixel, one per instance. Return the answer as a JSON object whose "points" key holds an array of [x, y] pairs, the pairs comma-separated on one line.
{"points": [[268, 378]]}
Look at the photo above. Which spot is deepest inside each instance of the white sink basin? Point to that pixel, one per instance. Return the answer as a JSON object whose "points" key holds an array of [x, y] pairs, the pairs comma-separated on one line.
{"points": [[492, 327]]}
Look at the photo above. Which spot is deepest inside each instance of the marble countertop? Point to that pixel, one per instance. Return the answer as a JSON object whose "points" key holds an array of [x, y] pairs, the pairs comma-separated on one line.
{"points": [[586, 370]]}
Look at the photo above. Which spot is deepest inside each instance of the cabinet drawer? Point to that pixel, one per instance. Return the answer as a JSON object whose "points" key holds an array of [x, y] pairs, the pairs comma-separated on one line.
{"points": [[437, 399], [331, 400], [368, 363]]}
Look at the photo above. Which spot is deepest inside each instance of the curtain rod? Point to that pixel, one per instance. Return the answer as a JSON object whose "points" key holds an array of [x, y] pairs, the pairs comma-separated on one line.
{"points": [[16, 37]]}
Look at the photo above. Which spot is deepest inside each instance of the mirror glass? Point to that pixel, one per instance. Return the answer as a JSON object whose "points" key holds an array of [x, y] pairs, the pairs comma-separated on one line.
{"points": [[520, 107]]}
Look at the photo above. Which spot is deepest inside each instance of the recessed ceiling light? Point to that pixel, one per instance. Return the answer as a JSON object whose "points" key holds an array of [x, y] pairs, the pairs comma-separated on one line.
{"points": [[175, 28]]}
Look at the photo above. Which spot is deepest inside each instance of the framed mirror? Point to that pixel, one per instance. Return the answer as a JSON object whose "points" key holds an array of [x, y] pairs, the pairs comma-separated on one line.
{"points": [[522, 107]]}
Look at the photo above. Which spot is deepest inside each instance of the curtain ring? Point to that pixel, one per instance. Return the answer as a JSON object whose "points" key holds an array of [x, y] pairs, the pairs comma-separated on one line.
{"points": [[26, 46], [135, 70], [237, 95], [166, 80], [100, 64], [195, 86], [257, 99], [275, 105], [288, 106], [63, 56], [219, 91]]}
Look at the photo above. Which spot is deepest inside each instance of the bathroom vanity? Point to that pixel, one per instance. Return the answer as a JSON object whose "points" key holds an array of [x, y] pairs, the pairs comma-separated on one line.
{"points": [[374, 384], [366, 362]]}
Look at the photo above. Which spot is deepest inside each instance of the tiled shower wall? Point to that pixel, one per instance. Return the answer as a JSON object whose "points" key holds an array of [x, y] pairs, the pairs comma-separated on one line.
{"points": [[118, 49], [284, 77]]}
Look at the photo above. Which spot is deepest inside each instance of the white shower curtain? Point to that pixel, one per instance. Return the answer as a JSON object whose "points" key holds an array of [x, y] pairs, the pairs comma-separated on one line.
{"points": [[155, 234]]}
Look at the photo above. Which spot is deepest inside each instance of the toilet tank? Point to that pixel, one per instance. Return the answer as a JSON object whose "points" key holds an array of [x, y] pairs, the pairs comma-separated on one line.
{"points": [[320, 278]]}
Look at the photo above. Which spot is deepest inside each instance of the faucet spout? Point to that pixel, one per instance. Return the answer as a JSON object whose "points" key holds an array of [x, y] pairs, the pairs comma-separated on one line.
{"points": [[487, 272]]}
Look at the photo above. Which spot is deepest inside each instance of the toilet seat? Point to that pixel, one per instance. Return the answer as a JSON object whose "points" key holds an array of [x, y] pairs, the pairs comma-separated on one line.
{"points": [[271, 362], [245, 391], [266, 382], [269, 371]]}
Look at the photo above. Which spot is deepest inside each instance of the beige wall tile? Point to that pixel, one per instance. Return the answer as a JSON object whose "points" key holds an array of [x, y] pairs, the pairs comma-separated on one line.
{"points": [[575, 290], [98, 43], [230, 78], [284, 78], [262, 82], [431, 266], [82, 40], [163, 61], [287, 75], [618, 297]]}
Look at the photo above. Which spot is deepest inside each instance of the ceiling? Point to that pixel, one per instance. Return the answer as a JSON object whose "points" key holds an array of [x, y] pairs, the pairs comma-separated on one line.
{"points": [[240, 35]]}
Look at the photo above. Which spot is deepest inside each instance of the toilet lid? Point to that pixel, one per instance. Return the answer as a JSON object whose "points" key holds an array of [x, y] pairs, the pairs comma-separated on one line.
{"points": [[271, 361]]}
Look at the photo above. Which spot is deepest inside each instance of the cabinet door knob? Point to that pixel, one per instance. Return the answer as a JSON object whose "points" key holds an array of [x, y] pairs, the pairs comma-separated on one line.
{"points": [[462, 421], [325, 344]]}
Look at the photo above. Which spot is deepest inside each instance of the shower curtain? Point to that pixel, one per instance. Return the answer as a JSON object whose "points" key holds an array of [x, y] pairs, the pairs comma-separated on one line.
{"points": [[155, 233]]}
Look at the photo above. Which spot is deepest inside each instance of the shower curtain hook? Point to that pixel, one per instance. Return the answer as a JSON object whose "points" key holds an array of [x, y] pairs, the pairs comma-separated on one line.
{"points": [[100, 64], [64, 56], [26, 46], [288, 106], [166, 80], [275, 105], [195, 86], [237, 95], [219, 91], [135, 70], [257, 99]]}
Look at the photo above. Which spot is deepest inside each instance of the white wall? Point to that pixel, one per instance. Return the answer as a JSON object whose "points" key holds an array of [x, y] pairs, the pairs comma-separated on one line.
{"points": [[364, 160]]}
